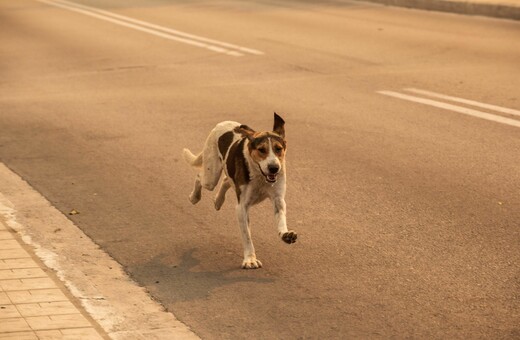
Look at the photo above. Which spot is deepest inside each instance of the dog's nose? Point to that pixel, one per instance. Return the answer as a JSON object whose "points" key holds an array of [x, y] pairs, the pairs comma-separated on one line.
{"points": [[273, 168]]}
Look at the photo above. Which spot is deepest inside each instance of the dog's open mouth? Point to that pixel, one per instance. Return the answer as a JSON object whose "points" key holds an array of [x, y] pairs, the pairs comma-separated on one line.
{"points": [[271, 178]]}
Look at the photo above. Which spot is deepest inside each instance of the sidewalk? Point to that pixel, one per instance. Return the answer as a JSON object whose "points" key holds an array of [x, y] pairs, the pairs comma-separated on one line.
{"points": [[33, 303], [505, 9], [56, 283]]}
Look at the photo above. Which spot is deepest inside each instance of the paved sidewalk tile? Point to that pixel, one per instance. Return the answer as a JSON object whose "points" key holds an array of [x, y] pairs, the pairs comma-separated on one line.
{"points": [[32, 306], [26, 284], [70, 334], [9, 244], [14, 325], [5, 235], [4, 299], [57, 321], [13, 253], [18, 336], [36, 295], [46, 308], [9, 311], [25, 273], [17, 263]]}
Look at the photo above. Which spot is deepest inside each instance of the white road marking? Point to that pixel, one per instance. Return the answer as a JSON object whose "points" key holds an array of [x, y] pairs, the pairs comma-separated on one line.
{"points": [[455, 108], [160, 31], [165, 29], [465, 101]]}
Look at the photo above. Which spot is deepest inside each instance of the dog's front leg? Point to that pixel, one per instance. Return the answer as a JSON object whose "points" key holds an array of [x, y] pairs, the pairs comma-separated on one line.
{"points": [[288, 236], [250, 260]]}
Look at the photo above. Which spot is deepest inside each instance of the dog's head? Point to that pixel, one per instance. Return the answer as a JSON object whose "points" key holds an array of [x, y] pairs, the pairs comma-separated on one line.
{"points": [[267, 149]]}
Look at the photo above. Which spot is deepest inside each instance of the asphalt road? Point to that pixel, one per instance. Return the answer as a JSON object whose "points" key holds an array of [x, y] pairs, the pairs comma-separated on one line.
{"points": [[407, 213]]}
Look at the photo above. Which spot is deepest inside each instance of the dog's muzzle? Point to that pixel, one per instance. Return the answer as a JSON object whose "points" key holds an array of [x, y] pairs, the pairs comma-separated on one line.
{"points": [[272, 176]]}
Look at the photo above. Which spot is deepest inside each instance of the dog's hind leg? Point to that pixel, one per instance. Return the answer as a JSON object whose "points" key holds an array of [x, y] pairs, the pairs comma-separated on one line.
{"points": [[212, 165], [221, 195], [196, 194]]}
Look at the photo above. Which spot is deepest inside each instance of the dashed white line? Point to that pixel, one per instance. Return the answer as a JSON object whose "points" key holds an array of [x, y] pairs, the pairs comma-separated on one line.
{"points": [[465, 101], [160, 31], [455, 108]]}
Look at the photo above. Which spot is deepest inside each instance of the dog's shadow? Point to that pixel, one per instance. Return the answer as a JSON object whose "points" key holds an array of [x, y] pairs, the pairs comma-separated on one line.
{"points": [[177, 283]]}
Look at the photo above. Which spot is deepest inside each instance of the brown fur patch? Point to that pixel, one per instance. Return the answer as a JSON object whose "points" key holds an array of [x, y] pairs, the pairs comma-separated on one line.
{"points": [[244, 130], [224, 142], [259, 149], [278, 148], [237, 166]]}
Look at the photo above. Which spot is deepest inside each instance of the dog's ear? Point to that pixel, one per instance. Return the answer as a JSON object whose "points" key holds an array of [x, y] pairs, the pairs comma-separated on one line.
{"points": [[245, 131], [279, 124]]}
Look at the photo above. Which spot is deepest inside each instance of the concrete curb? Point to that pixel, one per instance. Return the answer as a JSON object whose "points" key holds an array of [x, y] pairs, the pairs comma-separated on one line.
{"points": [[489, 9]]}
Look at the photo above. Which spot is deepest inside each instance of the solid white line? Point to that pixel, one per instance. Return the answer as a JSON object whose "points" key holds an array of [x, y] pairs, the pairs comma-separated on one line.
{"points": [[122, 23], [459, 109], [143, 29], [465, 101], [162, 28]]}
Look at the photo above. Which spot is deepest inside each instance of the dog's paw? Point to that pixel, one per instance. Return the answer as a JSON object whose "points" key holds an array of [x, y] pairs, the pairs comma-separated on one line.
{"points": [[251, 263], [289, 237]]}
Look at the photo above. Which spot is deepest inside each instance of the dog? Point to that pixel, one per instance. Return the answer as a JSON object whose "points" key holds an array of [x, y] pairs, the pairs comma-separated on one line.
{"points": [[254, 165]]}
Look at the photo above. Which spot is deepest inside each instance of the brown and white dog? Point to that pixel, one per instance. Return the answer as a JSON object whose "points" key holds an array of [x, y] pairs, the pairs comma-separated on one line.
{"points": [[254, 164]]}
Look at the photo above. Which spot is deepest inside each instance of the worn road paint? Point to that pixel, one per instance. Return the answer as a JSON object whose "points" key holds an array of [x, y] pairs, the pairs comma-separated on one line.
{"points": [[160, 31], [454, 108], [465, 101]]}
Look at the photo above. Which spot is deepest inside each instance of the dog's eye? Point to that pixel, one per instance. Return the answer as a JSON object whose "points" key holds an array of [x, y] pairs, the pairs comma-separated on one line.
{"points": [[278, 149], [262, 150]]}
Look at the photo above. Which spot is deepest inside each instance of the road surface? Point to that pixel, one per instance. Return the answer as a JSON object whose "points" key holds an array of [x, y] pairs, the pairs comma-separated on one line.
{"points": [[406, 202]]}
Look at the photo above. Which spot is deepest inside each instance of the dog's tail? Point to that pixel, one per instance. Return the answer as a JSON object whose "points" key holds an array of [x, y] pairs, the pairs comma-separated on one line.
{"points": [[191, 159]]}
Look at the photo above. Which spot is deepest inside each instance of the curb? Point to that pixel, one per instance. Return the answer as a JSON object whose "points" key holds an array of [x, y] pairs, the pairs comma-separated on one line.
{"points": [[489, 9]]}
